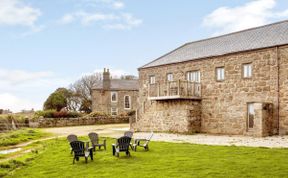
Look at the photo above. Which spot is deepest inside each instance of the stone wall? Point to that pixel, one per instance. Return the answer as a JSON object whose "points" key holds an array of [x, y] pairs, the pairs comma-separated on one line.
{"points": [[176, 116], [102, 101], [62, 122], [224, 104], [283, 83]]}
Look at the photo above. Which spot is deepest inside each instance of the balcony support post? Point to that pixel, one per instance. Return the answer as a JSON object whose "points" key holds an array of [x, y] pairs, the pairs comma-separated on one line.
{"points": [[178, 88]]}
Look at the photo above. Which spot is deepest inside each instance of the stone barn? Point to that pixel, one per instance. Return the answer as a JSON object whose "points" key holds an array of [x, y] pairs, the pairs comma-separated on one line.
{"points": [[231, 84]]}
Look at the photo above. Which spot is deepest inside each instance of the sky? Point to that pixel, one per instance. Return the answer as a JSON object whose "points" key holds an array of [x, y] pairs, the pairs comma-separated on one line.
{"points": [[46, 44]]}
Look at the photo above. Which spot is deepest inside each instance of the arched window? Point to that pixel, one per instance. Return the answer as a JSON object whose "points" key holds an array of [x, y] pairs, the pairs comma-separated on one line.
{"points": [[127, 102]]}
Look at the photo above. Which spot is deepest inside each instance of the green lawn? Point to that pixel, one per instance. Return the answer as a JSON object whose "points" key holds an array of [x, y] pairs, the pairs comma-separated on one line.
{"points": [[19, 136], [163, 160]]}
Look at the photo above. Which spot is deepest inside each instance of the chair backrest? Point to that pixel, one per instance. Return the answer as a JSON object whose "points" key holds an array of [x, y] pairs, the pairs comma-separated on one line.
{"points": [[128, 134], [149, 138], [123, 143], [72, 138], [78, 148], [94, 138]]}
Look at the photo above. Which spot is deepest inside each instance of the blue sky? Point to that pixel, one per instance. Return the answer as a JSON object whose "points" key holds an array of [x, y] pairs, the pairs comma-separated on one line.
{"points": [[51, 43]]}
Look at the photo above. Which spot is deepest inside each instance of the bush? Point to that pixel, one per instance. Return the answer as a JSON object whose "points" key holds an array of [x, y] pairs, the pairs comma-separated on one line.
{"points": [[98, 114], [56, 114]]}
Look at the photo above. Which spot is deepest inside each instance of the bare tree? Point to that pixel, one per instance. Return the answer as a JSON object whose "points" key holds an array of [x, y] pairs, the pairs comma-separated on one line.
{"points": [[82, 90]]}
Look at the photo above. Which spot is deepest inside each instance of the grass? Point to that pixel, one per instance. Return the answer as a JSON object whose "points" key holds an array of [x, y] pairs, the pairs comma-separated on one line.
{"points": [[163, 160], [19, 136]]}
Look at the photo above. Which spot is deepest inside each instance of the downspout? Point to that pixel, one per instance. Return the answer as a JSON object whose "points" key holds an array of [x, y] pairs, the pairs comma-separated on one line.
{"points": [[278, 90]]}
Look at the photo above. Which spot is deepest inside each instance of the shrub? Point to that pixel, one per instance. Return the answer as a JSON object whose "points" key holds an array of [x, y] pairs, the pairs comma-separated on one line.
{"points": [[97, 114], [56, 114]]}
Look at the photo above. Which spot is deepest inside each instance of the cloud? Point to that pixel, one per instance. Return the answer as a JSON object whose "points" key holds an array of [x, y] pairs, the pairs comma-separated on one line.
{"points": [[15, 12], [252, 14], [16, 104], [128, 22], [22, 89], [114, 4], [15, 77], [124, 21], [118, 5]]}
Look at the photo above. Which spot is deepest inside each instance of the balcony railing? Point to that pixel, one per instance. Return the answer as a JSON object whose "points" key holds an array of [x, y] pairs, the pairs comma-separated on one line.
{"points": [[175, 90]]}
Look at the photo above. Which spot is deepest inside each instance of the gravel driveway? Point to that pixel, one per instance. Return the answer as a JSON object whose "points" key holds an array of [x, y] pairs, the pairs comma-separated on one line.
{"points": [[117, 130]]}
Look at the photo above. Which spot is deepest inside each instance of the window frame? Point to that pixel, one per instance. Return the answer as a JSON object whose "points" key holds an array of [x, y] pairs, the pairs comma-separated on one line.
{"points": [[216, 74], [243, 70], [129, 99], [193, 71], [167, 77], [116, 93], [248, 115], [150, 81], [116, 111]]}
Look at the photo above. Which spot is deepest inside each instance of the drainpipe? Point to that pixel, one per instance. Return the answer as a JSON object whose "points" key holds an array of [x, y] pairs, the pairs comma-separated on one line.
{"points": [[278, 89]]}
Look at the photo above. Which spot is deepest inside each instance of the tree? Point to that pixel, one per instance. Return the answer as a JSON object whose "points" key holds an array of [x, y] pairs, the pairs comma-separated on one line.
{"points": [[58, 99], [129, 77], [82, 90]]}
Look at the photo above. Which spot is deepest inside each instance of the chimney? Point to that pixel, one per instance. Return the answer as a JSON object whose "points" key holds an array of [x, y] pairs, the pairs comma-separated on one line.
{"points": [[106, 79]]}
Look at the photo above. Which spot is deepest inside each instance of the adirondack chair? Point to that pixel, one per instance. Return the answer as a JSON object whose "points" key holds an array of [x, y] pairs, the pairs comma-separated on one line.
{"points": [[122, 145], [80, 150], [94, 138], [128, 134], [145, 145], [72, 138]]}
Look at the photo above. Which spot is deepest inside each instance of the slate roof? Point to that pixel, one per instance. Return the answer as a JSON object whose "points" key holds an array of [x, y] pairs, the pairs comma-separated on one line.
{"points": [[119, 84], [271, 35]]}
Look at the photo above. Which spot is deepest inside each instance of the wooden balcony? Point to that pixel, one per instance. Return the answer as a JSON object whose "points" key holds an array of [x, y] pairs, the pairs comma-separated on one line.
{"points": [[180, 89]]}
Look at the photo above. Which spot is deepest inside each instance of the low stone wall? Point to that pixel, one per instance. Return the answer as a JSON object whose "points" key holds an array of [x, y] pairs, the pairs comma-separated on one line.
{"points": [[63, 122], [12, 124]]}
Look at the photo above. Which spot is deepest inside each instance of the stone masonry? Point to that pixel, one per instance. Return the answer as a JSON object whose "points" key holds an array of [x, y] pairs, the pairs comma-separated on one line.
{"points": [[223, 104]]}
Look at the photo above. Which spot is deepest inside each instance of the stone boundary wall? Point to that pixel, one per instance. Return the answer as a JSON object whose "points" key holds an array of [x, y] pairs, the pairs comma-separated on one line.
{"points": [[63, 122]]}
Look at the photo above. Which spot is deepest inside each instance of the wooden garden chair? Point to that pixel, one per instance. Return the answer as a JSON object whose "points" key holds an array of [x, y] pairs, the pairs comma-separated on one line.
{"points": [[72, 138], [122, 145], [94, 138], [128, 134], [144, 144], [80, 150]]}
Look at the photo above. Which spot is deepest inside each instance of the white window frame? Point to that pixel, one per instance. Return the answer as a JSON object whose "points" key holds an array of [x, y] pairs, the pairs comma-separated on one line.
{"points": [[220, 73], [169, 77], [152, 79], [129, 99], [114, 101], [250, 111], [247, 70], [114, 112], [194, 76]]}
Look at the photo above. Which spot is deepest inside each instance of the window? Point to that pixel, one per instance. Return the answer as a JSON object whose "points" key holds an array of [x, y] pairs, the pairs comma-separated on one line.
{"points": [[127, 102], [251, 115], [114, 96], [220, 73], [152, 79], [114, 111], [193, 76], [169, 77], [247, 70]]}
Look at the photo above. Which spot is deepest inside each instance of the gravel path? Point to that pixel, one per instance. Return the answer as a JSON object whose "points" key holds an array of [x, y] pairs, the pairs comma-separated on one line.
{"points": [[117, 130]]}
